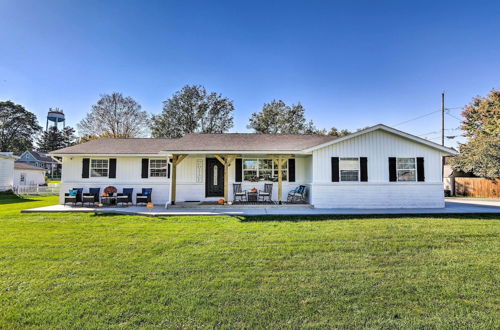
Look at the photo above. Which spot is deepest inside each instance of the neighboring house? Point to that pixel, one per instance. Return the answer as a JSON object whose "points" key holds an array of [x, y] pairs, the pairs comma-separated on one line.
{"points": [[28, 175], [6, 170], [41, 160], [377, 167]]}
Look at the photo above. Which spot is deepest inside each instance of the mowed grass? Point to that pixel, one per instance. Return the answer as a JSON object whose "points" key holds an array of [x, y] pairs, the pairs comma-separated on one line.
{"points": [[108, 271]]}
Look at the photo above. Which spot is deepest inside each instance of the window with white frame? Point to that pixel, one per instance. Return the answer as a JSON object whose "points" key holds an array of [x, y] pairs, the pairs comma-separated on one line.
{"points": [[22, 179], [349, 169], [158, 168], [99, 168], [406, 169], [263, 169]]}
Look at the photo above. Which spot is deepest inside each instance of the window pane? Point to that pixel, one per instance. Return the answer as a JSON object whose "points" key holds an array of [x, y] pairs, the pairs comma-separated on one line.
{"points": [[265, 175], [406, 175], [349, 175], [99, 167], [265, 164], [250, 175], [349, 163], [250, 164], [406, 163], [158, 168]]}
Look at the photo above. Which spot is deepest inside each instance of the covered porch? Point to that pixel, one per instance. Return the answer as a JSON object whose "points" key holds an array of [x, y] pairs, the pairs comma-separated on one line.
{"points": [[239, 179]]}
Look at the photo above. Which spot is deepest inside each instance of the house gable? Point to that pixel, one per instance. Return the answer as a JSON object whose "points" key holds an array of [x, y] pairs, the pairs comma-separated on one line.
{"points": [[398, 133]]}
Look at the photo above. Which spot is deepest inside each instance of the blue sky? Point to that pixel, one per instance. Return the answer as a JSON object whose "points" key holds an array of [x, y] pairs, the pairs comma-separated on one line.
{"points": [[350, 63]]}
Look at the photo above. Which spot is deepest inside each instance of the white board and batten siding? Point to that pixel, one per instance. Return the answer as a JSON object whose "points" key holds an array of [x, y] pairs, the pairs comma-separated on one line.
{"points": [[6, 173], [378, 191], [128, 175]]}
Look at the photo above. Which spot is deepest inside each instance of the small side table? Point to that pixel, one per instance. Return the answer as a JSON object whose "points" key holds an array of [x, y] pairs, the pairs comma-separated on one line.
{"points": [[108, 200], [252, 196]]}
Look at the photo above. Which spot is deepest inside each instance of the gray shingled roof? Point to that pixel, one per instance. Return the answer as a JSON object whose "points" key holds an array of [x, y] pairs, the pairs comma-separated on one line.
{"points": [[23, 166], [246, 142], [41, 157], [199, 142], [116, 146]]}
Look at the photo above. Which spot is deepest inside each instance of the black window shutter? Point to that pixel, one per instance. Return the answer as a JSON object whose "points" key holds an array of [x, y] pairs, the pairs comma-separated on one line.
{"points": [[363, 164], [85, 168], [168, 169], [392, 169], [238, 170], [145, 168], [335, 169], [420, 169], [291, 170], [112, 168]]}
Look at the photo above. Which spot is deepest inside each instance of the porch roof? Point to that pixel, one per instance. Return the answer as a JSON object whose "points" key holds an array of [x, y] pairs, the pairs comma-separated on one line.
{"points": [[245, 142]]}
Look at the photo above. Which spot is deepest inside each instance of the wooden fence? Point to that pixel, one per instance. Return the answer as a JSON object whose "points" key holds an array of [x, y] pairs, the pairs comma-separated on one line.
{"points": [[477, 187]]}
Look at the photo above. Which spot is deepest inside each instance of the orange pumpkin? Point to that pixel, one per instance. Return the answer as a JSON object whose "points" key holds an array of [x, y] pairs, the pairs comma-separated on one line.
{"points": [[220, 201], [150, 206]]}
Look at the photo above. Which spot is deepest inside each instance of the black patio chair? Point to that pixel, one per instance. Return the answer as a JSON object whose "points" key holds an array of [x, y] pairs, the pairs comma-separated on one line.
{"points": [[125, 197], [238, 193], [91, 197], [74, 199], [144, 197], [267, 193], [297, 195]]}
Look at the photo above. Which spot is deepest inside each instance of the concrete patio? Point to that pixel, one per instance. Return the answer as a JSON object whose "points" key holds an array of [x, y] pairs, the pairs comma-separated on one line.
{"points": [[453, 206]]}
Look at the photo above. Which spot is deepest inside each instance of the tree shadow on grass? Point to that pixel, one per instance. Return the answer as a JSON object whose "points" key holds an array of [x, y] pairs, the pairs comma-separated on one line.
{"points": [[326, 217], [11, 198]]}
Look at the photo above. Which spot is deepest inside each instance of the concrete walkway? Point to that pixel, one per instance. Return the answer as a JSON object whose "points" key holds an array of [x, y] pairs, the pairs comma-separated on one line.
{"points": [[452, 207]]}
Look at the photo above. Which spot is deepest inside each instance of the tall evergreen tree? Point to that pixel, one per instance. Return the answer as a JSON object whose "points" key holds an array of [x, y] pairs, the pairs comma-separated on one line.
{"points": [[54, 139]]}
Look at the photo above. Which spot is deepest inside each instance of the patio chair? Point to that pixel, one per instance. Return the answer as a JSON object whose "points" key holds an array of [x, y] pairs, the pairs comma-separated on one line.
{"points": [[125, 197], [91, 197], [267, 193], [238, 193], [144, 197], [72, 197], [297, 195]]}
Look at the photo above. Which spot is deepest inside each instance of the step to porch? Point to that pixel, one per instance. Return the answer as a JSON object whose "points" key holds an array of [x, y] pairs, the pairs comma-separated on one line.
{"points": [[238, 205]]}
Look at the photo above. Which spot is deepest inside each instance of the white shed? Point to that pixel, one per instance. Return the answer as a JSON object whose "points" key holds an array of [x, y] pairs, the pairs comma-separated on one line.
{"points": [[28, 175], [6, 170]]}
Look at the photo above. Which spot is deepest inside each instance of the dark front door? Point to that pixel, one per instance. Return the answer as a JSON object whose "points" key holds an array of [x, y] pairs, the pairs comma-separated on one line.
{"points": [[214, 178]]}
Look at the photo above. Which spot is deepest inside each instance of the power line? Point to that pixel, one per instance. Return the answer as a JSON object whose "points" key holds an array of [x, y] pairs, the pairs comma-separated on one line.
{"points": [[409, 120], [435, 132], [453, 116]]}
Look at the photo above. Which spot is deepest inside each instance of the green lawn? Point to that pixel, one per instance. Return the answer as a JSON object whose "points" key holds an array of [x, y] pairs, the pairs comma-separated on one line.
{"points": [[85, 270]]}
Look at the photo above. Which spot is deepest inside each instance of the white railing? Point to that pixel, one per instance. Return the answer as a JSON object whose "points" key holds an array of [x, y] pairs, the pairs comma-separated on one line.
{"points": [[37, 190]]}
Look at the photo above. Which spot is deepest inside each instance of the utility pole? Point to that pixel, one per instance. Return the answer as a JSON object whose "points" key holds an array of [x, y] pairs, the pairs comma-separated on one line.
{"points": [[442, 118]]}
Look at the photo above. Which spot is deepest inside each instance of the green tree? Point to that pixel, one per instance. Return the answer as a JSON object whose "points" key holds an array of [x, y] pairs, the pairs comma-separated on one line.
{"points": [[193, 110], [482, 116], [277, 117], [333, 132], [115, 115], [54, 139], [18, 127], [481, 154]]}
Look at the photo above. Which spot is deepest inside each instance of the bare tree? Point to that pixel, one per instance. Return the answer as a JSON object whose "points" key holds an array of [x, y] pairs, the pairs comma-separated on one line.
{"points": [[114, 116]]}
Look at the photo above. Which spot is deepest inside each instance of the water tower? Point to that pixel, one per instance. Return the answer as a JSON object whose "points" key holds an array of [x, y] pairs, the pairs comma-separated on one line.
{"points": [[56, 116]]}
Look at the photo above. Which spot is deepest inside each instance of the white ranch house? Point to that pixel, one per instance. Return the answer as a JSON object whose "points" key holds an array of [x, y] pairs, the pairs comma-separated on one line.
{"points": [[378, 167]]}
